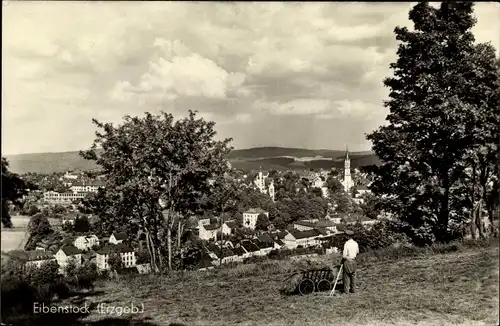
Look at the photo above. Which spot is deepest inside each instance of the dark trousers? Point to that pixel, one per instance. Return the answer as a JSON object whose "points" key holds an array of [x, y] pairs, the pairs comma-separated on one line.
{"points": [[349, 275]]}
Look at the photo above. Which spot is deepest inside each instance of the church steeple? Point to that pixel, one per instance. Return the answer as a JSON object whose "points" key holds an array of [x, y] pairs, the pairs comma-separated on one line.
{"points": [[347, 183]]}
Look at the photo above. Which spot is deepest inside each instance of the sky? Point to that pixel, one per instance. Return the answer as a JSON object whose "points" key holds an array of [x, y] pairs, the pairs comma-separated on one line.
{"points": [[305, 75]]}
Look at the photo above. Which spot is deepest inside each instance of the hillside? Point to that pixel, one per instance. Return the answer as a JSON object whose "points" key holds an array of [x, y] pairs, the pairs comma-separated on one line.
{"points": [[278, 158], [418, 288]]}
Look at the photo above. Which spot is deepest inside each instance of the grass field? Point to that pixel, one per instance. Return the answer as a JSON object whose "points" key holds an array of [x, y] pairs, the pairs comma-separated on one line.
{"points": [[14, 238], [458, 288]]}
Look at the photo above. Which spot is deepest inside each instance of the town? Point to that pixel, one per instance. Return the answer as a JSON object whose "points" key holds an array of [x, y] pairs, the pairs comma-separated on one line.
{"points": [[231, 163], [218, 238]]}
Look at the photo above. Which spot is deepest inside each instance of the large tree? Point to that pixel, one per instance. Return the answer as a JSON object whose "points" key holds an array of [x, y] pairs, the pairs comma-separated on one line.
{"points": [[443, 119], [156, 170], [13, 190]]}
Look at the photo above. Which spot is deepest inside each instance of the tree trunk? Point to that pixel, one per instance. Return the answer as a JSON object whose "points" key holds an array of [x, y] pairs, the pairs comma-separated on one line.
{"points": [[169, 246], [179, 233]]}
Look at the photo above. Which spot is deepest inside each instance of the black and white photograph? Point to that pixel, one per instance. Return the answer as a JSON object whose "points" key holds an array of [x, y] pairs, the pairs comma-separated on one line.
{"points": [[220, 163]]}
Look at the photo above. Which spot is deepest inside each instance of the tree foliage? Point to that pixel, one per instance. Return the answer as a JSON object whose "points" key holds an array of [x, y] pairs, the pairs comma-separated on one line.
{"points": [[13, 190], [151, 158], [443, 119]]}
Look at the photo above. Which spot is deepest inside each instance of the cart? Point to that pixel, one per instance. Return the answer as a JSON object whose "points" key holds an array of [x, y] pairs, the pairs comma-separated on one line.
{"points": [[317, 280]]}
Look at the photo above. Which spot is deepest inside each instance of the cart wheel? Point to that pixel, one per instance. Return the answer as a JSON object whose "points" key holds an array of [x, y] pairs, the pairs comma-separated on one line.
{"points": [[306, 287], [324, 285]]}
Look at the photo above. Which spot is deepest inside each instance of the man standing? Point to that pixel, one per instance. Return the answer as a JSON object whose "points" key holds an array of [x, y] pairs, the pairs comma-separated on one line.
{"points": [[351, 250]]}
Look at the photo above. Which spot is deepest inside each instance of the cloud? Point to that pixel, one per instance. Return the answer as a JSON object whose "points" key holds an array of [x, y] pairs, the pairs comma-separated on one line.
{"points": [[266, 73]]}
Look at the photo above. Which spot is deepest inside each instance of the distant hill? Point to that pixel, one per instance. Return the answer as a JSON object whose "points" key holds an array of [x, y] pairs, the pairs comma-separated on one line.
{"points": [[278, 158]]}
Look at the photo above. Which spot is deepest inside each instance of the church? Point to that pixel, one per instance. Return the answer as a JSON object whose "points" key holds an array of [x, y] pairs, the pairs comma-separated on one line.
{"points": [[347, 182]]}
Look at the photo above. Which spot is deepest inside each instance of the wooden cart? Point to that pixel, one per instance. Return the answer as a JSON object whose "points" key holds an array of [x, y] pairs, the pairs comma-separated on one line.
{"points": [[317, 280]]}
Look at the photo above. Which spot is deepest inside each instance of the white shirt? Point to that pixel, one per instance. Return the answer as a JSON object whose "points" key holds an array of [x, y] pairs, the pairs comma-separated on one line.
{"points": [[351, 249]]}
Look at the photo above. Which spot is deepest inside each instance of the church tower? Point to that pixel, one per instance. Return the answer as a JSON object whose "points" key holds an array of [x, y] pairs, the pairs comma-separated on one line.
{"points": [[347, 183], [271, 190]]}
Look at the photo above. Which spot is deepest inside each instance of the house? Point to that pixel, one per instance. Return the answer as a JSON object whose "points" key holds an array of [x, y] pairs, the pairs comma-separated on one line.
{"points": [[304, 225], [265, 247], [86, 242], [364, 220], [228, 227], [38, 257], [239, 253], [209, 231], [117, 238], [67, 253], [203, 221], [126, 253], [227, 256], [296, 238], [250, 217], [251, 248]]}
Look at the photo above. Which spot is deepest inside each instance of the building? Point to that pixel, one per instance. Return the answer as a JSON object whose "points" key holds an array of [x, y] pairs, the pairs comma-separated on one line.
{"points": [[68, 175], [251, 248], [250, 217], [228, 227], [38, 257], [62, 198], [347, 182], [86, 187], [260, 182], [304, 225], [126, 253], [86, 242], [207, 232], [67, 253], [117, 238], [271, 191], [305, 239], [328, 225]]}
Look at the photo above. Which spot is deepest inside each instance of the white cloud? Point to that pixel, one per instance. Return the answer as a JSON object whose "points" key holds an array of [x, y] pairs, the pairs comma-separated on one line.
{"points": [[239, 63]]}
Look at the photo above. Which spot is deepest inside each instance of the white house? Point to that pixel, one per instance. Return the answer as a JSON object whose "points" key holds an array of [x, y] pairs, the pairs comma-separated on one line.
{"points": [[250, 217], [207, 232], [38, 257], [67, 253], [127, 255], [296, 238], [304, 225], [117, 238], [86, 242], [228, 227], [83, 187]]}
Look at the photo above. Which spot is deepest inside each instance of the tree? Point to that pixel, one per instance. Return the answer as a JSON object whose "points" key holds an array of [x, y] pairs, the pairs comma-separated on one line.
{"points": [[262, 222], [334, 186], [115, 262], [156, 170], [443, 91], [71, 268], [13, 190], [82, 224], [39, 225]]}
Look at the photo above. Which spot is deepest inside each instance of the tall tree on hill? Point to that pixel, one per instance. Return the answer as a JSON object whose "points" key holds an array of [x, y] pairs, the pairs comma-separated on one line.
{"points": [[13, 190], [156, 169], [443, 119]]}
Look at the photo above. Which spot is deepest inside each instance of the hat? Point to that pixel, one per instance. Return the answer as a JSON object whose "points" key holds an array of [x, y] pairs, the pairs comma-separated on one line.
{"points": [[349, 232]]}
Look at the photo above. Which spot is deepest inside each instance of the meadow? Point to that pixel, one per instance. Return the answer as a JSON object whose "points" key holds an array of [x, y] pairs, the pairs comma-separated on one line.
{"points": [[452, 285], [12, 239]]}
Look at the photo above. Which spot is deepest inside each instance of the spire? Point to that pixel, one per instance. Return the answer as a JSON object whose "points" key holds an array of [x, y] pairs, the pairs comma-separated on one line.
{"points": [[346, 152]]}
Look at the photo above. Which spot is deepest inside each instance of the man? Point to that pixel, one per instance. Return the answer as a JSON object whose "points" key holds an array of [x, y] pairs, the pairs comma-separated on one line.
{"points": [[351, 250]]}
